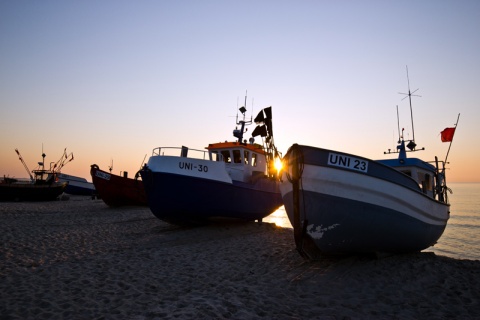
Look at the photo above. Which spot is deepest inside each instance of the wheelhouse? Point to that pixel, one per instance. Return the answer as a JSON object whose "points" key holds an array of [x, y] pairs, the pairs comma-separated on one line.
{"points": [[243, 161], [423, 173]]}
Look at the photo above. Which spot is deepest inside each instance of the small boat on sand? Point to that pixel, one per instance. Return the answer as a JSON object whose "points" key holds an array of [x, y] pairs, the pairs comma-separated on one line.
{"points": [[116, 190], [228, 180], [42, 186]]}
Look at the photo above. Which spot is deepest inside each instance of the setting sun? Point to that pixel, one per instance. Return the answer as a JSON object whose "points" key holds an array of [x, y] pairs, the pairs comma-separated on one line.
{"points": [[278, 164]]}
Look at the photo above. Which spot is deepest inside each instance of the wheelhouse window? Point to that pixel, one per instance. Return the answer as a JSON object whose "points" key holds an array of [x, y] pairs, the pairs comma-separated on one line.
{"points": [[237, 157], [246, 156], [425, 181], [226, 156], [215, 156], [254, 159]]}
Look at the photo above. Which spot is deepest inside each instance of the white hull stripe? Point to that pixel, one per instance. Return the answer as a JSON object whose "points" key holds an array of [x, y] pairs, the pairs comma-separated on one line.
{"points": [[364, 188]]}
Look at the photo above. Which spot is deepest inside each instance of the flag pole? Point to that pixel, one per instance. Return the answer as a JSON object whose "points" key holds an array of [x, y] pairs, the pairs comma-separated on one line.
{"points": [[458, 118]]}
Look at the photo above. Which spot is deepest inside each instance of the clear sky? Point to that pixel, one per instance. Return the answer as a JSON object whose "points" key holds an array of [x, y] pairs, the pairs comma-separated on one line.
{"points": [[111, 80]]}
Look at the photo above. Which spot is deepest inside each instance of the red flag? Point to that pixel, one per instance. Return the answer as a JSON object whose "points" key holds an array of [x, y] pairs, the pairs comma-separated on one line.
{"points": [[447, 134]]}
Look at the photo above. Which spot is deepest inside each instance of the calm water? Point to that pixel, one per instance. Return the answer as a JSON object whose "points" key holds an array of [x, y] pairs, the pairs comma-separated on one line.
{"points": [[461, 239]]}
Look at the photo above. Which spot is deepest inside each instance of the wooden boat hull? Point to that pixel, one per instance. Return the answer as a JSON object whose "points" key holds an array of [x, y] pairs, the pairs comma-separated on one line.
{"points": [[31, 192], [377, 210], [118, 191]]}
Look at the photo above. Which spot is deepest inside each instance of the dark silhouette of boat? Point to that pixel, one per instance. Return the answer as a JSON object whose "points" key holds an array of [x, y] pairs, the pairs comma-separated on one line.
{"points": [[43, 185], [117, 190]]}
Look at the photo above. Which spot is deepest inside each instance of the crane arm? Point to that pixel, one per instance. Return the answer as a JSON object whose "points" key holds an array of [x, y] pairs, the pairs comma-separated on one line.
{"points": [[24, 164]]}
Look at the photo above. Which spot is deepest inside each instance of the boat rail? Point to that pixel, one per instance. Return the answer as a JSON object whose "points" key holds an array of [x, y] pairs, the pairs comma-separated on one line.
{"points": [[183, 152]]}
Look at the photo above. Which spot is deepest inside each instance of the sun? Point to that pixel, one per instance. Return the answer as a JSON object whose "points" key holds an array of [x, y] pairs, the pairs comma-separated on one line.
{"points": [[278, 164]]}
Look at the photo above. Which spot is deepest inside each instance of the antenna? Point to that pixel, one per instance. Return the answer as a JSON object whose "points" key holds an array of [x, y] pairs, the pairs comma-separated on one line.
{"points": [[251, 113], [238, 133], [398, 125], [245, 103], [242, 109], [409, 95], [411, 144]]}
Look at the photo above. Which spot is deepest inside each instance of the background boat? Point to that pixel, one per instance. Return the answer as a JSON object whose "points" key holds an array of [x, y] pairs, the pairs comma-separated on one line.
{"points": [[77, 185], [14, 190], [42, 185], [117, 190]]}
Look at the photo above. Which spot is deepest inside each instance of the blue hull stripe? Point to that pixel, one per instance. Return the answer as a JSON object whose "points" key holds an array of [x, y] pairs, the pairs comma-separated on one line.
{"points": [[174, 197], [342, 226]]}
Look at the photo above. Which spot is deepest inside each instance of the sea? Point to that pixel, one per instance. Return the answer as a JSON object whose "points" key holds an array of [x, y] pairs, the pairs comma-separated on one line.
{"points": [[461, 238]]}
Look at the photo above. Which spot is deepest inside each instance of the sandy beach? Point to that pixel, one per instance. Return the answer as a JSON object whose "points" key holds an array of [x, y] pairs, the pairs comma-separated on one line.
{"points": [[79, 259]]}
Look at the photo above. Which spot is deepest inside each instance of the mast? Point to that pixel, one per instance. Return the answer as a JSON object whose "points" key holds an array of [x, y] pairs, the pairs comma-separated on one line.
{"points": [[409, 95], [456, 123], [411, 143], [398, 126], [238, 133]]}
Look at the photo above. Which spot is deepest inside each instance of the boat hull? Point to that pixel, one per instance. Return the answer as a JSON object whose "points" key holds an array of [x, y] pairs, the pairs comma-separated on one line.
{"points": [[118, 191], [77, 185], [371, 211], [182, 199], [31, 192]]}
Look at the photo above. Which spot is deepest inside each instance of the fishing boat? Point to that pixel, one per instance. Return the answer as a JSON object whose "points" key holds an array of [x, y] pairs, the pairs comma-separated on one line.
{"points": [[43, 185], [227, 180], [117, 190], [77, 185], [340, 203]]}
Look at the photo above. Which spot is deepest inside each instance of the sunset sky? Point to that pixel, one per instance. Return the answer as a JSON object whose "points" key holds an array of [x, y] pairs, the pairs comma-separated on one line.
{"points": [[111, 80]]}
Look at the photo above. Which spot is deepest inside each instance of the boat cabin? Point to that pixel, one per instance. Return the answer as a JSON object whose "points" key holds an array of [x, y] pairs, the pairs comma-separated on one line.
{"points": [[423, 173], [243, 162], [44, 176]]}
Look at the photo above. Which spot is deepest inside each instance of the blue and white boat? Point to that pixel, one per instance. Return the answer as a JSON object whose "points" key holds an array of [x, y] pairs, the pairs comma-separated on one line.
{"points": [[227, 180], [339, 203], [349, 204]]}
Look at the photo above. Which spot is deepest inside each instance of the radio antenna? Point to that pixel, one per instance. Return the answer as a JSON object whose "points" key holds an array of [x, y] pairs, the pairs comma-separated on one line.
{"points": [[409, 95], [398, 125]]}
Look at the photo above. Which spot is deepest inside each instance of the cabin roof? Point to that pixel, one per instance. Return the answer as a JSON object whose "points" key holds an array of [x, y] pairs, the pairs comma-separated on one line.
{"points": [[408, 162], [229, 145]]}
